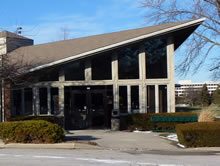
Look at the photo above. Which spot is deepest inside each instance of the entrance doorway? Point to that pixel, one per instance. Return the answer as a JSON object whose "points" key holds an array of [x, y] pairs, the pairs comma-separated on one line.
{"points": [[88, 107]]}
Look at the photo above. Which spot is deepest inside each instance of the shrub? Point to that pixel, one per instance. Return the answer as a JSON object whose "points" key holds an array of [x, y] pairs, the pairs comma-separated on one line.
{"points": [[207, 115], [52, 119], [33, 131], [142, 121], [200, 134]]}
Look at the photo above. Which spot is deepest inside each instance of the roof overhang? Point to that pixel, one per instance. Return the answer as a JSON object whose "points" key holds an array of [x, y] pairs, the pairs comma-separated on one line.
{"points": [[181, 33]]}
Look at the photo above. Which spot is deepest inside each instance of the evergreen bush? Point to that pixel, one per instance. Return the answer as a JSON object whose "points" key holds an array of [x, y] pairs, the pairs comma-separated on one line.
{"points": [[200, 134], [31, 131]]}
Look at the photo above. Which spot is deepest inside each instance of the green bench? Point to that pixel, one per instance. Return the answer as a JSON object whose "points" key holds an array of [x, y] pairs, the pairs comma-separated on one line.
{"points": [[174, 119]]}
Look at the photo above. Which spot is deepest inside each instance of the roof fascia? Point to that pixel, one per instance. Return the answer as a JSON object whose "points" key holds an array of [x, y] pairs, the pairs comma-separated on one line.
{"points": [[89, 53]]}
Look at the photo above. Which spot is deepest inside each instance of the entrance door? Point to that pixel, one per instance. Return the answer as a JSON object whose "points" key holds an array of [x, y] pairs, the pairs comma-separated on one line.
{"points": [[88, 109]]}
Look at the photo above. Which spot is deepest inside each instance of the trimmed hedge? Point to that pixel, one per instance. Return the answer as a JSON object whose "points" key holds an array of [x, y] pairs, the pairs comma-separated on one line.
{"points": [[201, 134], [143, 122], [32, 131], [52, 119]]}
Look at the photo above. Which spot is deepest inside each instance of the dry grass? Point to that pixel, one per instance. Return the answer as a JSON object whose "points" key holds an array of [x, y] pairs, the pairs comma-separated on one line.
{"points": [[207, 115]]}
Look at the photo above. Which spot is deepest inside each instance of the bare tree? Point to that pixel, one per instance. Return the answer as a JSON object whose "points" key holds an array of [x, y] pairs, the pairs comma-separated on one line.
{"points": [[12, 71], [203, 41]]}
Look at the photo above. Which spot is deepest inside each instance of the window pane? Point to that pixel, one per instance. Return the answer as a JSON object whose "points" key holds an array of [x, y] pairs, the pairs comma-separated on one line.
{"points": [[134, 98], [16, 102], [54, 101], [151, 99], [162, 98], [74, 71], [28, 101], [43, 100], [101, 67], [123, 100], [128, 66], [156, 58], [49, 75]]}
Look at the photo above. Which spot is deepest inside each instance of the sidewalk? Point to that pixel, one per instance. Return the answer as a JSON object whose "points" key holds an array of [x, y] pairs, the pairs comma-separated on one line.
{"points": [[114, 140]]}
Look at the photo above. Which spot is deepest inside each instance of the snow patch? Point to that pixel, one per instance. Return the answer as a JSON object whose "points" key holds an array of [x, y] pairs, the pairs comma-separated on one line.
{"points": [[144, 132]]}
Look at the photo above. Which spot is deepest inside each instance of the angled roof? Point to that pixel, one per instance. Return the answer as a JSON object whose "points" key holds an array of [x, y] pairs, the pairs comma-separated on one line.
{"points": [[12, 35], [54, 53]]}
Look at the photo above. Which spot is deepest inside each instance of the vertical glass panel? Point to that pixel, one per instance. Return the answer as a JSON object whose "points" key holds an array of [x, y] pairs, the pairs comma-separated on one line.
{"points": [[123, 99], [49, 75], [151, 99], [156, 58], [43, 100], [16, 102], [74, 71], [101, 67], [54, 100], [162, 98], [135, 98], [128, 66], [28, 100]]}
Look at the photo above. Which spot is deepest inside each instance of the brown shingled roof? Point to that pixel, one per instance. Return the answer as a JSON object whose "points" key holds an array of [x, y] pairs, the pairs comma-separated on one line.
{"points": [[56, 51]]}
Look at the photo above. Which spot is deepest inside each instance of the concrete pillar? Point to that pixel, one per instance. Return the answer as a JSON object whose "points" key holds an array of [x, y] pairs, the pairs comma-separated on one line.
{"points": [[34, 101], [61, 100], [37, 106], [129, 98], [49, 100], [156, 98], [115, 67], [171, 75], [116, 96], [88, 70], [142, 63], [115, 80], [61, 75]]}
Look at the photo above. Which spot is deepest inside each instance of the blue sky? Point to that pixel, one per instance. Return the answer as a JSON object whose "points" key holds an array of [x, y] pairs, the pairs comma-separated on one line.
{"points": [[45, 20]]}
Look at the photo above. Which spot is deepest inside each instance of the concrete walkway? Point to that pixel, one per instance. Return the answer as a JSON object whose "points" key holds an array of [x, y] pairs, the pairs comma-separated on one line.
{"points": [[114, 140]]}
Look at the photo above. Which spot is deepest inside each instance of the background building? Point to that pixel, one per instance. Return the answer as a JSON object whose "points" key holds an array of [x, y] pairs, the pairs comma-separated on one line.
{"points": [[188, 85]]}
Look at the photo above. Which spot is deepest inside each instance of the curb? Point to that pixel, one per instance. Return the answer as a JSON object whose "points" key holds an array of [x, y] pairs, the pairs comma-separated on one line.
{"points": [[69, 146]]}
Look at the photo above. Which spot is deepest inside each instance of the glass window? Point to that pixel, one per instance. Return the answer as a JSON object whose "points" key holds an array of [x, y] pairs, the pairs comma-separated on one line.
{"points": [[123, 100], [156, 58], [54, 100], [43, 100], [16, 102], [128, 66], [162, 98], [101, 67], [49, 75], [75, 71], [28, 100], [134, 98], [151, 99]]}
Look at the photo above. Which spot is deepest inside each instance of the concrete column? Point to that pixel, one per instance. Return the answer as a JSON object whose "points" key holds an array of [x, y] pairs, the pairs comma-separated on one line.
{"points": [[61, 75], [88, 70], [129, 98], [49, 100], [61, 100], [142, 64], [171, 75], [115, 80], [37, 106], [156, 98], [115, 67], [34, 101], [22, 102], [116, 96]]}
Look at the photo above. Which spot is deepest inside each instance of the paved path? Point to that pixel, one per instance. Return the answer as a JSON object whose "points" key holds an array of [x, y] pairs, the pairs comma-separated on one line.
{"points": [[121, 140]]}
